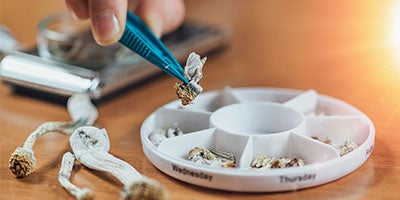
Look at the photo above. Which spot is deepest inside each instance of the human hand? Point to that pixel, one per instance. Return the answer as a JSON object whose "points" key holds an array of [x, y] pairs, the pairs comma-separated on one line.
{"points": [[108, 18]]}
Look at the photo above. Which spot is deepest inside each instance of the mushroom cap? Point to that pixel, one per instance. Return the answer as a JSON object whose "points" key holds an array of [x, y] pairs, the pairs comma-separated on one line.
{"points": [[22, 162], [89, 138], [144, 188]]}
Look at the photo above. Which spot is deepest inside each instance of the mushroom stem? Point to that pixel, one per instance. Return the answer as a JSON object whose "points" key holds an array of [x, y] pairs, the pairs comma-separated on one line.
{"points": [[64, 175], [22, 161], [62, 127], [91, 145]]}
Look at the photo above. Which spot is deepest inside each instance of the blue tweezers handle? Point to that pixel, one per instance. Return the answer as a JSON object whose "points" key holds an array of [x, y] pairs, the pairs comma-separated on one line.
{"points": [[140, 39]]}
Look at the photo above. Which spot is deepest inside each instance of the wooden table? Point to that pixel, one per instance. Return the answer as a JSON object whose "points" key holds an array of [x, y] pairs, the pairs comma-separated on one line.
{"points": [[344, 49]]}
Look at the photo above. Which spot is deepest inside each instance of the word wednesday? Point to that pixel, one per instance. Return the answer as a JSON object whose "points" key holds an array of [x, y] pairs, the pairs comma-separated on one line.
{"points": [[187, 172]]}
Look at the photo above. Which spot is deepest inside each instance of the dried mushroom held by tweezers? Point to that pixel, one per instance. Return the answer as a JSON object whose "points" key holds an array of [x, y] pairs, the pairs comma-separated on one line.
{"points": [[193, 72]]}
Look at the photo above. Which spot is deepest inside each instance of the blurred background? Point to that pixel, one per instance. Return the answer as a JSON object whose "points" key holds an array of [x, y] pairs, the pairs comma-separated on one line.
{"points": [[311, 37]]}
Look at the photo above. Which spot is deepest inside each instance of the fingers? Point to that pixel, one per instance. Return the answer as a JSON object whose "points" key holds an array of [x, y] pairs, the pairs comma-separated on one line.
{"points": [[108, 17], [162, 16], [78, 8], [108, 20]]}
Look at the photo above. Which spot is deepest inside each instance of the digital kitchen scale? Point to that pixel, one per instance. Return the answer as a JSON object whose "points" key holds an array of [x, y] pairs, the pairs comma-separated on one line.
{"points": [[67, 60]]}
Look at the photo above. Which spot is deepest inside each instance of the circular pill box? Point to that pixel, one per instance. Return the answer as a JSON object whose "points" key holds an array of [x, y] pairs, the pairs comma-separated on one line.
{"points": [[248, 122]]}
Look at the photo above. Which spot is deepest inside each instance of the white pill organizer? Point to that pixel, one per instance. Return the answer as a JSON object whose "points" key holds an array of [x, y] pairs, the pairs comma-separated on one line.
{"points": [[248, 122]]}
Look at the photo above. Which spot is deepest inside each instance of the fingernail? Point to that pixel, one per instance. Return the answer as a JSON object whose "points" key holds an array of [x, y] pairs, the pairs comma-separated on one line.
{"points": [[155, 24], [106, 27], [73, 15], [79, 10]]}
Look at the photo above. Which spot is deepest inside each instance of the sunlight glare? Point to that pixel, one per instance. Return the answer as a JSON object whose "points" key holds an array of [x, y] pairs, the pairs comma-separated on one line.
{"points": [[394, 32]]}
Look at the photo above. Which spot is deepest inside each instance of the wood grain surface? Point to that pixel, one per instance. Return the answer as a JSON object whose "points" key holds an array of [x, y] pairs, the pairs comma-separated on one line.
{"points": [[349, 50]]}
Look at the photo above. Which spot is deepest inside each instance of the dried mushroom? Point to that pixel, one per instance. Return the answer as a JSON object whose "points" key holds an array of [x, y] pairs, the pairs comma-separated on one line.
{"points": [[326, 140], [212, 157], [91, 145], [193, 73], [159, 135], [23, 162], [64, 175], [262, 161], [344, 148]]}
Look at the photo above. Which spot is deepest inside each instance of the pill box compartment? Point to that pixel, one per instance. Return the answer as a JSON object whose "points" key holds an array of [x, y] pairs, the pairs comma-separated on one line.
{"points": [[249, 122]]}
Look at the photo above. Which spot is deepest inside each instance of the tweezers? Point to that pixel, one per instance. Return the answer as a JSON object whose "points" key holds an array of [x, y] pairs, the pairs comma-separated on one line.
{"points": [[140, 39]]}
